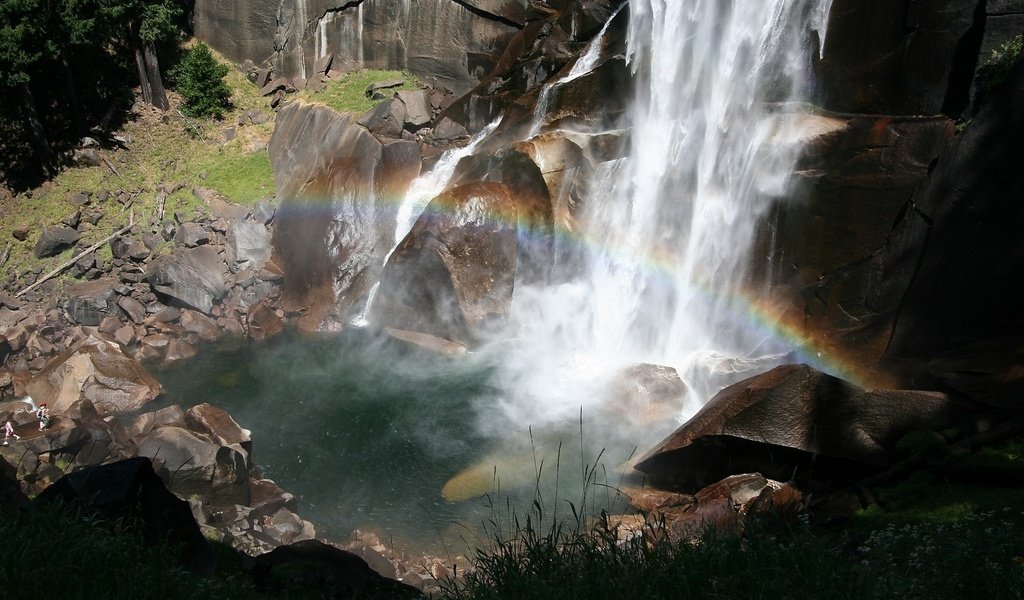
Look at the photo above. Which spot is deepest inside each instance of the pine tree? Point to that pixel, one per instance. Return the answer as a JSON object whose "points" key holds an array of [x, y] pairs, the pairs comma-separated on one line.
{"points": [[199, 78]]}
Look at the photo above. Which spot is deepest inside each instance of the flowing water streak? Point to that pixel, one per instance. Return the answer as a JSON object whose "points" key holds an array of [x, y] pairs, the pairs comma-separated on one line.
{"points": [[583, 65], [421, 191]]}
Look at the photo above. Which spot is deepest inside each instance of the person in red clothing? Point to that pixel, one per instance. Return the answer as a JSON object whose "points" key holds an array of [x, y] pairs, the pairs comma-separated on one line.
{"points": [[43, 414]]}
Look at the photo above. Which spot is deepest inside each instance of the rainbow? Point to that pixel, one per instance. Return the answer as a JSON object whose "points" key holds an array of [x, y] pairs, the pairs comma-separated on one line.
{"points": [[770, 316]]}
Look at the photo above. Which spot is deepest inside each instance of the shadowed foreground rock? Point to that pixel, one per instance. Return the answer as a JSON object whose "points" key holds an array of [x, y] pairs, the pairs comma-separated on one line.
{"points": [[790, 423], [131, 489], [335, 572]]}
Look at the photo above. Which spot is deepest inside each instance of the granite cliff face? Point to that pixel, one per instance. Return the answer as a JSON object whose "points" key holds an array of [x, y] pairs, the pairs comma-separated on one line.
{"points": [[447, 42]]}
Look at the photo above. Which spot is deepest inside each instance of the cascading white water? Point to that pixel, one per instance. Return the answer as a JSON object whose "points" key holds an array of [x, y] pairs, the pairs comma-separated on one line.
{"points": [[669, 231]]}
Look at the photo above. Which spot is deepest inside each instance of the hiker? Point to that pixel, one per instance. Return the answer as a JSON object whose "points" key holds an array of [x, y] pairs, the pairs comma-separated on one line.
{"points": [[43, 414], [9, 432]]}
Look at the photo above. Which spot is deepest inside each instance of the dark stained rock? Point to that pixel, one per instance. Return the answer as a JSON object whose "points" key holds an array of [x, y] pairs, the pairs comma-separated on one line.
{"points": [[896, 58], [452, 276], [782, 421], [194, 276], [95, 370], [336, 573], [54, 240], [129, 249], [129, 491]]}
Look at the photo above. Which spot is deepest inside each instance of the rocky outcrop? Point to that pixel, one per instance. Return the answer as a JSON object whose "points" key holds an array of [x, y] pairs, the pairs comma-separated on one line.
{"points": [[194, 277], [791, 422]]}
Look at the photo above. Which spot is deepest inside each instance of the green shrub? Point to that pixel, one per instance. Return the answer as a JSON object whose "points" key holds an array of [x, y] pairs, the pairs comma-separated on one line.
{"points": [[998, 66], [199, 78]]}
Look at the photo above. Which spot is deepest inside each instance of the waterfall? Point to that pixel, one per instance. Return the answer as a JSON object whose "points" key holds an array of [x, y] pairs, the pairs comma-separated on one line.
{"points": [[668, 230]]}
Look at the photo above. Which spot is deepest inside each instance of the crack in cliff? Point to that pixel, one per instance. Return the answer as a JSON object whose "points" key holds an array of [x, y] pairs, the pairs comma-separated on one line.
{"points": [[476, 10]]}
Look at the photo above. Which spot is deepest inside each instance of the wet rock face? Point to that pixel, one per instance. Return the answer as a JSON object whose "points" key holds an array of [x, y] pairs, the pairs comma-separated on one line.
{"points": [[452, 276], [333, 225], [451, 42], [894, 57]]}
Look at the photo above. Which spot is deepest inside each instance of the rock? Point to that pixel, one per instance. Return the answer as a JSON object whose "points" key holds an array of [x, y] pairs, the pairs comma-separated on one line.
{"points": [[452, 276], [178, 349], [789, 420], [191, 235], [144, 423], [219, 425], [54, 240], [79, 198], [20, 232], [263, 323], [73, 219], [124, 335], [251, 243], [127, 248], [331, 250], [91, 302], [133, 308], [129, 492], [647, 393], [334, 572], [417, 108], [386, 119], [198, 323], [323, 64], [220, 206], [194, 464], [263, 212], [95, 370], [194, 276]]}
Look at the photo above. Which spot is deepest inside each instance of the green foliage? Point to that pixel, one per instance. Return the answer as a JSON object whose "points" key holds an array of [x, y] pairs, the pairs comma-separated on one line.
{"points": [[241, 177], [21, 40], [998, 66], [199, 78]]}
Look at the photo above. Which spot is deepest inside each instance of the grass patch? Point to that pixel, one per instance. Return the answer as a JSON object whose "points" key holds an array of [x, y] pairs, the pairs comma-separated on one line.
{"points": [[348, 92], [242, 177]]}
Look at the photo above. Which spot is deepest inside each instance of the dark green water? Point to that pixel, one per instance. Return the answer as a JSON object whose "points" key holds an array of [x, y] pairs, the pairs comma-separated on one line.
{"points": [[365, 432]]}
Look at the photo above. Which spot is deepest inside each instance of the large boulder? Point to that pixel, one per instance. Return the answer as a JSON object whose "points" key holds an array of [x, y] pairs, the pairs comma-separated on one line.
{"points": [[54, 240], [790, 421], [193, 276], [336, 573], [251, 243], [334, 225], [195, 464], [452, 276], [95, 370]]}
